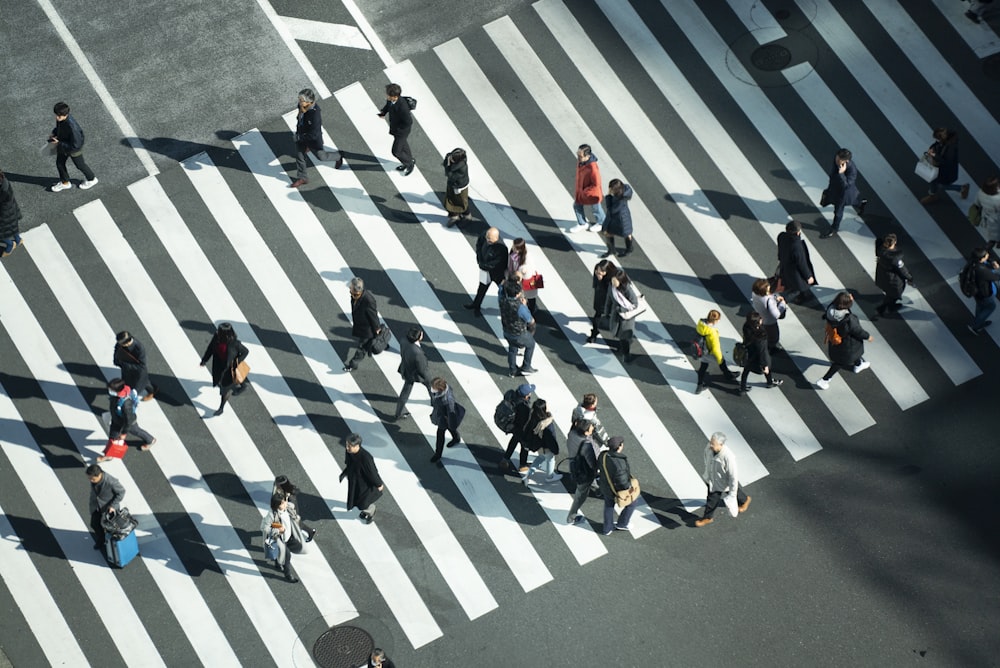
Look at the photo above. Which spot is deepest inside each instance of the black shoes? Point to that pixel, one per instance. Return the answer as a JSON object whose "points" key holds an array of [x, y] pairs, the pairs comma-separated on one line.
{"points": [[349, 368], [403, 415], [972, 16], [775, 382], [435, 458], [401, 168], [409, 170], [453, 442], [310, 535], [861, 207], [829, 233]]}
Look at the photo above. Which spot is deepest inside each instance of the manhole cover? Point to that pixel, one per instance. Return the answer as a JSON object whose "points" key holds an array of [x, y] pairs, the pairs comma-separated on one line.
{"points": [[771, 58], [343, 647]]}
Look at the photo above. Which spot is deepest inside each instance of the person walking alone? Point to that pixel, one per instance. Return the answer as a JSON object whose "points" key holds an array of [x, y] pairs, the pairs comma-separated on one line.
{"points": [[943, 154], [413, 369], [123, 419], [446, 414], [711, 347], [491, 257], [10, 215], [520, 434], [309, 137], [400, 119], [845, 339], [843, 190], [130, 357], [364, 485], [623, 299], [456, 197], [891, 275], [226, 353], [365, 324], [722, 480], [758, 357], [106, 495], [988, 200], [67, 136], [588, 189], [794, 265], [618, 222]]}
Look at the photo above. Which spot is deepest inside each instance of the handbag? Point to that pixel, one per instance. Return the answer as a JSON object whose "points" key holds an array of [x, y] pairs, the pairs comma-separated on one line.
{"points": [[623, 497], [119, 524], [271, 549], [240, 372], [824, 198], [535, 282], [639, 308], [115, 448], [976, 214], [925, 170], [381, 340]]}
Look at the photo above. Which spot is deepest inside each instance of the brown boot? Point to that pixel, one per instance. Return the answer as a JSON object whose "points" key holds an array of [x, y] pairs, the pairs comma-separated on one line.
{"points": [[745, 505], [703, 522], [928, 199]]}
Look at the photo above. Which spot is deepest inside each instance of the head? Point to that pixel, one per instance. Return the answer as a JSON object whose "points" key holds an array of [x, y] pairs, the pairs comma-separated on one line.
{"points": [[415, 334], [307, 98], [991, 186], [61, 110], [278, 502], [623, 279], [115, 386], [518, 246], [540, 409], [392, 92], [356, 286], [123, 338], [95, 473], [512, 288], [616, 443], [793, 226], [589, 401], [524, 390], [616, 187], [225, 332], [761, 287], [843, 301], [713, 317], [439, 384], [493, 235], [378, 656], [458, 155], [979, 255], [843, 156], [716, 441], [353, 443], [584, 427], [755, 324], [889, 240], [941, 134], [583, 152], [603, 268]]}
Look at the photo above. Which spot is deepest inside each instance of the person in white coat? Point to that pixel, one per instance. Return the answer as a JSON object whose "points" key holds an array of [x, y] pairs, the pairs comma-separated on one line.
{"points": [[721, 479], [989, 199], [281, 526]]}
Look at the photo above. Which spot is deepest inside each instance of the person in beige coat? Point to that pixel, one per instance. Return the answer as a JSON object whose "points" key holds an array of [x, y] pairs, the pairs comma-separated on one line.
{"points": [[721, 478]]}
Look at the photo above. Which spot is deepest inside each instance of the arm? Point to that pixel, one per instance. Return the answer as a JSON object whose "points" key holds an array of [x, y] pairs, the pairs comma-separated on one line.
{"points": [[371, 313], [714, 346], [592, 183], [208, 352], [118, 493], [241, 352]]}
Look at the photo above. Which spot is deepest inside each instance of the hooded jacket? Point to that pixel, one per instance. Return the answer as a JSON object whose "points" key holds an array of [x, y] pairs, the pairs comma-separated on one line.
{"points": [[588, 182], [853, 337], [712, 346]]}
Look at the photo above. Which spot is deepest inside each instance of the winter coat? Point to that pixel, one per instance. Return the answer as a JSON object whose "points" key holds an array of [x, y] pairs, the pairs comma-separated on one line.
{"points": [[413, 363], [10, 212], [445, 411], [619, 219], [309, 128], [986, 277], [364, 314], [843, 190], [990, 221], [891, 275], [70, 136], [946, 159], [400, 116], [713, 348], [613, 473], [292, 531], [542, 435], [600, 434], [758, 356], [223, 362], [613, 309], [768, 306], [588, 182], [492, 257], [108, 493], [796, 267], [363, 480], [853, 337], [601, 288], [457, 173], [132, 361], [720, 470], [122, 421]]}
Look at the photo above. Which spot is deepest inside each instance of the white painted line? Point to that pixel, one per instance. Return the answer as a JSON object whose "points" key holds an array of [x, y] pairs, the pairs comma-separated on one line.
{"points": [[102, 92], [369, 32], [27, 588], [285, 33], [980, 37], [321, 32]]}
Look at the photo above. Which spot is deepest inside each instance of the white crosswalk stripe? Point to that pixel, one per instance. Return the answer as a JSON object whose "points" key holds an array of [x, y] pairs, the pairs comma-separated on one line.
{"points": [[225, 239]]}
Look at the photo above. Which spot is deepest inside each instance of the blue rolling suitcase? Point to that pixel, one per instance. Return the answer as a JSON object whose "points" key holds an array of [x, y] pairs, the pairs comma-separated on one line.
{"points": [[120, 551]]}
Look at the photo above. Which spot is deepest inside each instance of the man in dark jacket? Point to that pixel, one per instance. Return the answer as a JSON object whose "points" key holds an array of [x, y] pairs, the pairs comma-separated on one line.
{"points": [[891, 275], [518, 327], [10, 214], [397, 108], [67, 135], [522, 414], [364, 313], [844, 326], [364, 485], [123, 417], [583, 467], [795, 267], [843, 190], [491, 256], [309, 137], [413, 369], [130, 357], [106, 495], [987, 275], [614, 475]]}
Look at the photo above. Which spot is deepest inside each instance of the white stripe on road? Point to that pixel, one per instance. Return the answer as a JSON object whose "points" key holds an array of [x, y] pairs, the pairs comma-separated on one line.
{"points": [[285, 33], [321, 32], [980, 37]]}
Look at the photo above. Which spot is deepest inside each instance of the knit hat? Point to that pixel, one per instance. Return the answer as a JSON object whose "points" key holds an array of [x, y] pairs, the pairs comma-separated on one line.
{"points": [[614, 442], [525, 389]]}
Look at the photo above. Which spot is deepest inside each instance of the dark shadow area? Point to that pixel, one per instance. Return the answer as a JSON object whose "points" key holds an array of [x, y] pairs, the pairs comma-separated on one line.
{"points": [[182, 531], [36, 537], [42, 181], [225, 485]]}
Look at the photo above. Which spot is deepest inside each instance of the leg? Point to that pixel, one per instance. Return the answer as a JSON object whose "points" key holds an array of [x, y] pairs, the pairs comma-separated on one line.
{"points": [[136, 430], [626, 515], [984, 308], [599, 215], [609, 516], [300, 161], [726, 372], [579, 496], [702, 372], [226, 393], [581, 220], [404, 395], [511, 445], [522, 459], [82, 165], [773, 336], [713, 501], [95, 525], [625, 343], [594, 330], [743, 378], [477, 303], [512, 354], [401, 149], [529, 349], [628, 246], [61, 167], [532, 304], [609, 241], [439, 443], [363, 346], [838, 215], [832, 371], [741, 496]]}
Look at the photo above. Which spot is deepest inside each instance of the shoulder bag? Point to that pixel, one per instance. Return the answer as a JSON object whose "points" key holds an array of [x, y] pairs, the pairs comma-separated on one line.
{"points": [[381, 340], [240, 372], [623, 497], [925, 169]]}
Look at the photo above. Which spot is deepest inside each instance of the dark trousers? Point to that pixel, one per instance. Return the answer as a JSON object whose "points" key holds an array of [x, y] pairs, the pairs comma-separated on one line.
{"points": [[95, 526], [401, 149], [139, 432], [513, 443], [623, 517], [773, 335], [364, 346], [838, 215], [746, 374], [439, 445], [703, 371], [525, 339], [835, 367], [300, 158], [715, 498], [80, 163], [404, 396], [481, 293], [579, 496]]}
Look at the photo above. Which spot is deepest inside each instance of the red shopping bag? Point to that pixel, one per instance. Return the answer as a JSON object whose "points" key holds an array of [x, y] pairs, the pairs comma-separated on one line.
{"points": [[116, 448]]}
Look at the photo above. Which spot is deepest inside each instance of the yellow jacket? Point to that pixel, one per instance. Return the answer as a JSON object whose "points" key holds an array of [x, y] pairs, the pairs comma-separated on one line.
{"points": [[712, 345]]}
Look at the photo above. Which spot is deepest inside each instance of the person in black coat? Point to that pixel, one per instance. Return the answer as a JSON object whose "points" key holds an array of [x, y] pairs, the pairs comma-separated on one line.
{"points": [[758, 355], [614, 475], [891, 275], [67, 135], [943, 153], [446, 415], [456, 199], [397, 108], [491, 256], [226, 353], [364, 485], [309, 137], [413, 369], [618, 222], [843, 325], [10, 214], [843, 190], [366, 325], [520, 435], [604, 271], [794, 265], [130, 357], [987, 274]]}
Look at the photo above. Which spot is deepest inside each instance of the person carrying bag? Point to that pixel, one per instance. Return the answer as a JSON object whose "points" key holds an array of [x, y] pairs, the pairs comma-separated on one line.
{"points": [[618, 486]]}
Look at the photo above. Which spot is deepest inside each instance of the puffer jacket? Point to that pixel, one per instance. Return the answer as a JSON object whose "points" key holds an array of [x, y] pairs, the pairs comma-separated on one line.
{"points": [[10, 212], [613, 473], [713, 348], [853, 337]]}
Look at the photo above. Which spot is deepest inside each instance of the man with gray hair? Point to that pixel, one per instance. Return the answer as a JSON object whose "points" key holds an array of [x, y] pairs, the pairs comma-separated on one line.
{"points": [[366, 325], [721, 479], [309, 137]]}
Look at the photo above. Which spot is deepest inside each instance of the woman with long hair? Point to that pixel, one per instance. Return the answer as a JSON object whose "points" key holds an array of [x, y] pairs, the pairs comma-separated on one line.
{"points": [[520, 269], [226, 353]]}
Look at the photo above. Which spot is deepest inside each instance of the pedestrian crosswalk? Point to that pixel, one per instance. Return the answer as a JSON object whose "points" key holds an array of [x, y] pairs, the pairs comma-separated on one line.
{"points": [[718, 167]]}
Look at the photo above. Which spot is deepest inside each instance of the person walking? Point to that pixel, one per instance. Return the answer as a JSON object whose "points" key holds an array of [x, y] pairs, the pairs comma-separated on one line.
{"points": [[519, 268], [491, 256], [518, 328], [986, 275], [622, 300], [588, 189], [843, 190], [226, 353], [413, 369], [891, 274], [106, 495], [446, 414], [845, 339], [771, 308], [67, 136], [280, 526], [758, 357], [542, 436], [943, 154], [604, 271], [123, 403], [988, 201], [711, 347], [794, 265], [583, 467], [10, 215], [284, 488], [614, 475], [456, 197], [520, 435], [587, 411], [365, 323], [309, 137], [399, 112], [722, 480], [618, 222], [978, 9], [364, 485], [378, 659], [130, 357]]}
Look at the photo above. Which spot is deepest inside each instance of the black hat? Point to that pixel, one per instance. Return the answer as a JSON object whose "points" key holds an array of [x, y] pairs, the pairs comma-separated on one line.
{"points": [[614, 442]]}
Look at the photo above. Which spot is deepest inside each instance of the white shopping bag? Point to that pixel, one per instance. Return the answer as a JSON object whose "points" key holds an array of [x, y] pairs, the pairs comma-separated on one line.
{"points": [[926, 170]]}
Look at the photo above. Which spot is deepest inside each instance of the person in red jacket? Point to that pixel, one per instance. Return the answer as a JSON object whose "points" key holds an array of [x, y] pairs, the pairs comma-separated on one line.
{"points": [[588, 189]]}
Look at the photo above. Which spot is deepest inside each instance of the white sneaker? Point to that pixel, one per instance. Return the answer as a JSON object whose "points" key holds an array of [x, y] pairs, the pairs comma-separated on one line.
{"points": [[577, 228], [862, 365], [823, 384], [555, 477], [87, 185], [61, 185]]}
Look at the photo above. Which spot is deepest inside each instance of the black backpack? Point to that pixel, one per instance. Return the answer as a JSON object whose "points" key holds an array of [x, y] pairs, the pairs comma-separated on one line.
{"points": [[503, 416], [967, 280], [410, 102]]}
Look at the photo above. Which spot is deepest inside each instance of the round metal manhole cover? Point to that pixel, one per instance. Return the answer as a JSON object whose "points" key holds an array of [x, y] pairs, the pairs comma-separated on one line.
{"points": [[343, 647], [771, 58]]}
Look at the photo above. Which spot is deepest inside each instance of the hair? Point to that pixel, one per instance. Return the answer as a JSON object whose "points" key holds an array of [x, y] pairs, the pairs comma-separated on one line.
{"points": [[60, 109], [124, 338], [357, 284], [307, 95], [843, 300], [225, 332], [616, 187], [439, 384], [754, 326], [843, 154], [607, 266], [540, 409], [586, 150], [116, 384], [518, 246], [793, 226], [354, 439], [761, 287], [512, 288], [889, 240], [285, 486], [713, 316], [276, 501], [458, 155], [414, 334], [978, 254], [94, 470], [942, 134], [623, 280], [581, 426], [718, 437], [589, 399], [991, 185], [393, 90], [378, 653]]}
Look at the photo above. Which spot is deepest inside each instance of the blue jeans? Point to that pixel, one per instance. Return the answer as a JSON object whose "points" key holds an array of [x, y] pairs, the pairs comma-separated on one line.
{"points": [[934, 187], [623, 518], [581, 219], [525, 339], [7, 245], [984, 308]]}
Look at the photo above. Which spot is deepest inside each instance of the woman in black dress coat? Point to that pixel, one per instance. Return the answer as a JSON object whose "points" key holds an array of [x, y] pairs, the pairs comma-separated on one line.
{"points": [[603, 273], [364, 485], [758, 356], [456, 199], [618, 222], [226, 352]]}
